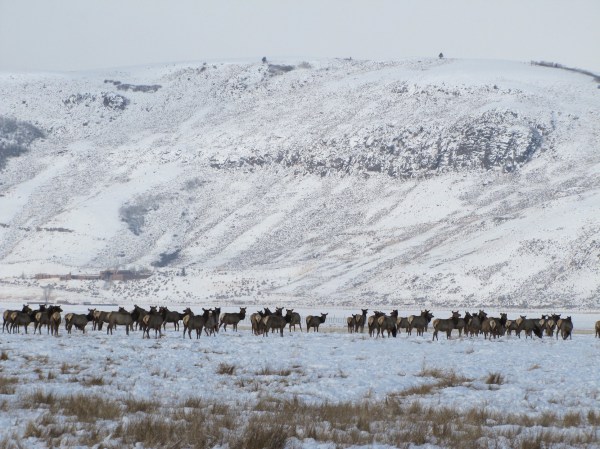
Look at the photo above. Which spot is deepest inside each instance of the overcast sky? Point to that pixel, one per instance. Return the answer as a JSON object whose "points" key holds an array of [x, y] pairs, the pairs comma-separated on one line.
{"points": [[91, 34]]}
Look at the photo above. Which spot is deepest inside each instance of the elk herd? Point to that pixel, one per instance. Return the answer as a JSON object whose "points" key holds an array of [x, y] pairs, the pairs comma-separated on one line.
{"points": [[156, 319], [379, 324], [472, 324]]}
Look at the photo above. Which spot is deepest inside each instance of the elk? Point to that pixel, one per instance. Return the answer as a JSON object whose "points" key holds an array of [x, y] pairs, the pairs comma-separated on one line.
{"points": [[598, 329], [78, 320], [315, 321], [420, 322], [529, 325], [211, 322], [275, 322], [138, 315], [194, 322], [474, 324], [402, 323], [233, 319], [373, 322], [170, 316], [55, 319], [256, 320], [351, 323], [18, 319], [359, 320], [566, 328], [445, 325], [100, 317], [153, 320], [551, 324], [388, 324], [7, 317], [294, 319], [121, 318]]}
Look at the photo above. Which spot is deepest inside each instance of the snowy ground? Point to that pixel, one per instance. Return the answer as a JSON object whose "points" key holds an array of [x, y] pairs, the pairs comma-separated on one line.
{"points": [[538, 377]]}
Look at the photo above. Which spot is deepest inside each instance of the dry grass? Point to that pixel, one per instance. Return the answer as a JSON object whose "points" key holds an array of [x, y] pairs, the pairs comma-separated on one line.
{"points": [[8, 385], [225, 368], [266, 371], [445, 379], [494, 379], [94, 381], [273, 422]]}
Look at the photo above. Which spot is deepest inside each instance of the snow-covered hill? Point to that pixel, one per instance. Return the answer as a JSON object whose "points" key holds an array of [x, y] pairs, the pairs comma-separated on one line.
{"points": [[344, 182]]}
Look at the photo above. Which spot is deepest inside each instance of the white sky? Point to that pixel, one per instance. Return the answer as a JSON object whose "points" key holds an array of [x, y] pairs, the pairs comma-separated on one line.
{"points": [[90, 34]]}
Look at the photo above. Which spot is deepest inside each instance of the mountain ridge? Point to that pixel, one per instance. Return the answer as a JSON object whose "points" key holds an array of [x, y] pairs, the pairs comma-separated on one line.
{"points": [[419, 181]]}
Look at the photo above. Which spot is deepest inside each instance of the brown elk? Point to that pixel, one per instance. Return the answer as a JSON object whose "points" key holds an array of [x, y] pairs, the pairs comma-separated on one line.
{"points": [[100, 317], [22, 318], [373, 322], [122, 318], [419, 322], [529, 325], [351, 323], [551, 323], [598, 329], [566, 328], [170, 316], [233, 319], [256, 320], [6, 325], [194, 322], [78, 320], [359, 320], [387, 323], [402, 323], [294, 319], [153, 320], [55, 319], [276, 322], [446, 325], [315, 321], [138, 315]]}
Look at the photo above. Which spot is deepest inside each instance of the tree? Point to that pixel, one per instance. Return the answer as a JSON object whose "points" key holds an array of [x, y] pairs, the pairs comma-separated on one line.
{"points": [[441, 55], [264, 59]]}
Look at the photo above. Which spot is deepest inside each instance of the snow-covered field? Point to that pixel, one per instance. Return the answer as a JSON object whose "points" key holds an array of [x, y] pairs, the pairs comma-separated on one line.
{"points": [[547, 379]]}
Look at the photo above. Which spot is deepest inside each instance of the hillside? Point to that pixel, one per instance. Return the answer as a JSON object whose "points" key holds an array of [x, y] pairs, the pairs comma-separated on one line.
{"points": [[342, 182]]}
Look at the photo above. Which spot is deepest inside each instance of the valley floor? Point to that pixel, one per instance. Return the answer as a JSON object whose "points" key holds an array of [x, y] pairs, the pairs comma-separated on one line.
{"points": [[303, 390]]}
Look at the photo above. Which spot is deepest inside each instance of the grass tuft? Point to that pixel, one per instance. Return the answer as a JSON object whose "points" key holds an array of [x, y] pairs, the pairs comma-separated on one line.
{"points": [[225, 368]]}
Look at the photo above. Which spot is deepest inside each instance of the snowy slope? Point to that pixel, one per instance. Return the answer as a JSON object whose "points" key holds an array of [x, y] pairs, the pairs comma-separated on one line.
{"points": [[341, 182]]}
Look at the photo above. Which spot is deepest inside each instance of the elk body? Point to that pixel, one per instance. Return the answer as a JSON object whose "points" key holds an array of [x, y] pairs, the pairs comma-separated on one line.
{"points": [[22, 318], [387, 323], [445, 325], [315, 321], [566, 328], [294, 319], [359, 320], [419, 322], [233, 319], [121, 318], [80, 321], [153, 320]]}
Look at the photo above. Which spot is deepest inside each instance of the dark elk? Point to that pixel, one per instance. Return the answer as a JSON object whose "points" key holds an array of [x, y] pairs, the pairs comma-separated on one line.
{"points": [[294, 319], [233, 319], [18, 319], [78, 320]]}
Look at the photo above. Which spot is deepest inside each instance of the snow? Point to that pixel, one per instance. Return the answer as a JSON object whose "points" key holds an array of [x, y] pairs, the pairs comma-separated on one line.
{"points": [[316, 234], [546, 375]]}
